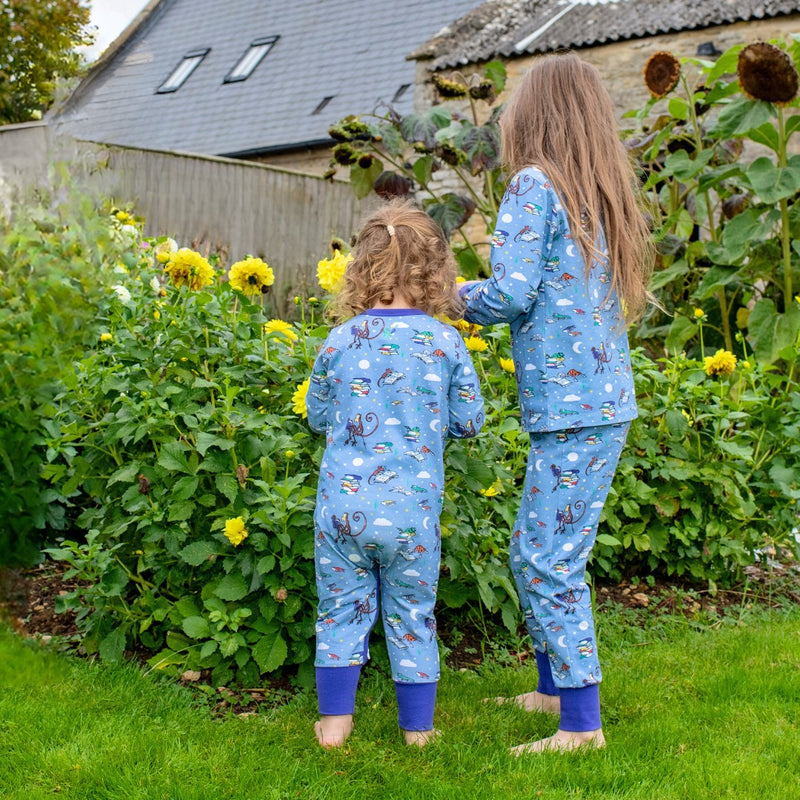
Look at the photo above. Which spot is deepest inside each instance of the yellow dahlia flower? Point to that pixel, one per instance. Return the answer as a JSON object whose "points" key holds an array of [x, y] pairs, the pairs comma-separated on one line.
{"points": [[330, 271], [235, 531], [106, 337], [188, 268], [475, 344], [723, 362], [507, 364], [493, 490], [281, 327], [299, 398], [251, 276], [699, 313]]}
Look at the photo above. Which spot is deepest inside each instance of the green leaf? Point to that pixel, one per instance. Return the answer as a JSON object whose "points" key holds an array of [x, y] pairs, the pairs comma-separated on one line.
{"points": [[173, 458], [770, 332], [766, 134], [496, 72], [231, 587], [206, 440], [452, 212], [678, 108], [112, 648], [198, 553], [270, 652], [181, 511], [773, 183], [227, 485], [363, 180], [185, 487], [482, 145], [196, 627], [665, 276], [681, 330], [743, 115], [423, 127], [124, 474], [608, 539], [422, 169]]}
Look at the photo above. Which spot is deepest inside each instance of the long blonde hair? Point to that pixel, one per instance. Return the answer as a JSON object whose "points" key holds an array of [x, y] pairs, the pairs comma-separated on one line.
{"points": [[560, 118], [400, 249]]}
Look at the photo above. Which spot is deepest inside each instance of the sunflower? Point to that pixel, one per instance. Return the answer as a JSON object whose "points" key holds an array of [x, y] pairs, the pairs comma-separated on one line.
{"points": [[723, 362], [447, 88], [235, 531], [299, 398], [330, 271], [188, 268], [767, 73], [661, 73], [475, 344], [281, 327], [251, 276]]}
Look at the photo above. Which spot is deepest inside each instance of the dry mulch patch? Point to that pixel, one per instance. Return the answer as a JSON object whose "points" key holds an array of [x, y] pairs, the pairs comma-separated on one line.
{"points": [[28, 598]]}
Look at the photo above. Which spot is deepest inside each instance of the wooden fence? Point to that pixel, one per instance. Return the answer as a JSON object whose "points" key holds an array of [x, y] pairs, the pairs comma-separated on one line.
{"points": [[218, 204]]}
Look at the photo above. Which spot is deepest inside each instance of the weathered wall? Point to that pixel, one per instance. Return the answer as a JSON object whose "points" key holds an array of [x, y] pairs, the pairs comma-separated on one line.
{"points": [[219, 204], [621, 65]]}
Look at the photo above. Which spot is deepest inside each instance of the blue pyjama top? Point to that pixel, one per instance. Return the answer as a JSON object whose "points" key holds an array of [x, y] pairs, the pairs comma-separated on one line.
{"points": [[387, 388], [568, 340]]}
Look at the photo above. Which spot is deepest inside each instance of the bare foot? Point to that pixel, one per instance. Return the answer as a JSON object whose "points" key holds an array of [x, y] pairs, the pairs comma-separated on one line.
{"points": [[421, 738], [532, 701], [563, 742], [332, 731]]}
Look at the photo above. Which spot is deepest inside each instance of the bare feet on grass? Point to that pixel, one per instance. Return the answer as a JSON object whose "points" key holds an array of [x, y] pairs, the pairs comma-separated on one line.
{"points": [[421, 738], [531, 701], [332, 731], [563, 742]]}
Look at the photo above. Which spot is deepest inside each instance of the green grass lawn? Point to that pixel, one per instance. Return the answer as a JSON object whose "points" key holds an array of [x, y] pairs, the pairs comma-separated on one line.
{"points": [[688, 713]]}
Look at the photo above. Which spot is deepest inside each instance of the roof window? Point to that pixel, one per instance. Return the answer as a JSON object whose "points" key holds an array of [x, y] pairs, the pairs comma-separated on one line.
{"points": [[324, 102], [401, 91], [250, 59], [186, 66]]}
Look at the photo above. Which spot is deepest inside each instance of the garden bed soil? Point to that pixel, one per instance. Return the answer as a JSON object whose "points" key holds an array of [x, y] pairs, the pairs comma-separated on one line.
{"points": [[28, 599]]}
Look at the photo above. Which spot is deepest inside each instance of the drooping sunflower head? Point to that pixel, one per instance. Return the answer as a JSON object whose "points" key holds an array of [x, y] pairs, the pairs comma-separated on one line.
{"points": [[251, 276], [767, 73], [448, 88], [661, 73]]}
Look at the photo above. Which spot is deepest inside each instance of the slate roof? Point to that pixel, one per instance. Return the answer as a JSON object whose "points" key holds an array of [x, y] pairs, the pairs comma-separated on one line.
{"points": [[507, 28], [351, 50]]}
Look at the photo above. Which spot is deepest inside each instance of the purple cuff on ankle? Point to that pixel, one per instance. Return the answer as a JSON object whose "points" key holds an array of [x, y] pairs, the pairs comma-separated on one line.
{"points": [[580, 709], [546, 685], [336, 689], [415, 705]]}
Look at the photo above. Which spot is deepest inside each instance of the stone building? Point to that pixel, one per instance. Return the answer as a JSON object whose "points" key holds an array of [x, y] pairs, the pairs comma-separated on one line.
{"points": [[617, 36]]}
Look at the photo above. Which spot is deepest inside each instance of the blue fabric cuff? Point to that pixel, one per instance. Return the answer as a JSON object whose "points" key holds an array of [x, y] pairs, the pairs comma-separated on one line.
{"points": [[415, 705], [546, 685], [336, 689], [580, 709], [463, 290]]}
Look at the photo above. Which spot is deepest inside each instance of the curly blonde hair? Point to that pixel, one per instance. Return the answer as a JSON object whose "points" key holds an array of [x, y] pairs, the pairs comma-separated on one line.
{"points": [[414, 260]]}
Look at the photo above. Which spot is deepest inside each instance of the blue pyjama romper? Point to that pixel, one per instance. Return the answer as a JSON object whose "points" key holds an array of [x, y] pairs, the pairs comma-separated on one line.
{"points": [[387, 389], [577, 399]]}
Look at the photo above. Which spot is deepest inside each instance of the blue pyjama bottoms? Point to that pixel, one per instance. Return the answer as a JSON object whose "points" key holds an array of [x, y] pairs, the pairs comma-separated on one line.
{"points": [[568, 477]]}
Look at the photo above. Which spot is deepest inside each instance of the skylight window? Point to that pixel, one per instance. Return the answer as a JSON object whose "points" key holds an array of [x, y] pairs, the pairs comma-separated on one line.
{"points": [[322, 104], [251, 58], [187, 65], [401, 91]]}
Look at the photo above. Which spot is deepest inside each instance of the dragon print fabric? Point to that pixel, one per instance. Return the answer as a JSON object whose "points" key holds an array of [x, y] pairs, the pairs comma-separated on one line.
{"points": [[387, 389]]}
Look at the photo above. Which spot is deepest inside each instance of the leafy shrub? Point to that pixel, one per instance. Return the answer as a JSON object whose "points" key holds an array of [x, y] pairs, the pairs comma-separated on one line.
{"points": [[57, 259]]}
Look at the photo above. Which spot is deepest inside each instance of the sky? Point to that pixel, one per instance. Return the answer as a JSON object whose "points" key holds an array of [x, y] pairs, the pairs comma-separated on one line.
{"points": [[111, 17]]}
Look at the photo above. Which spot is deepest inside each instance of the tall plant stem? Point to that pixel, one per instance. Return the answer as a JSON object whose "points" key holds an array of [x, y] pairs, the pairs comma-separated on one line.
{"points": [[712, 228], [786, 244]]}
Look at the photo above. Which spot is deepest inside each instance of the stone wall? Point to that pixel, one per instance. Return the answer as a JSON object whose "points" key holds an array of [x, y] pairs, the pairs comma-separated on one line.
{"points": [[621, 65]]}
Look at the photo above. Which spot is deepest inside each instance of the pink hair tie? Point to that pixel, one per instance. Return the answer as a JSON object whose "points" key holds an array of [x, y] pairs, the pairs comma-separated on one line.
{"points": [[390, 228]]}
